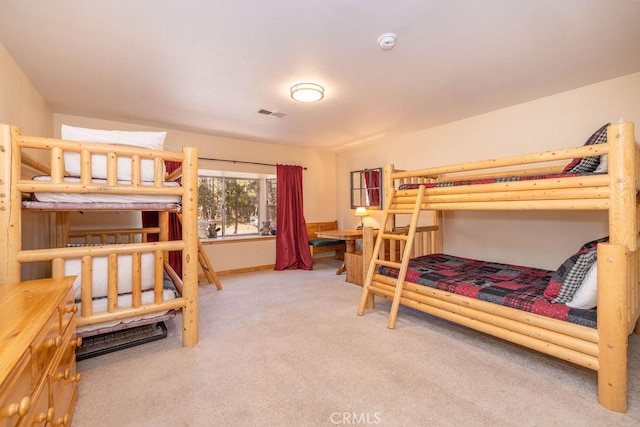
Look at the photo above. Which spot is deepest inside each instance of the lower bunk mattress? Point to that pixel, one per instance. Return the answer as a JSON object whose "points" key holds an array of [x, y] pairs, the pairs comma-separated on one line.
{"points": [[169, 292], [513, 286]]}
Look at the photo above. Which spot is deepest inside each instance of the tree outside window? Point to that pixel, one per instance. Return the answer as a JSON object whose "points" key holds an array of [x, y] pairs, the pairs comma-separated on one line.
{"points": [[241, 205], [233, 204], [272, 197], [210, 200]]}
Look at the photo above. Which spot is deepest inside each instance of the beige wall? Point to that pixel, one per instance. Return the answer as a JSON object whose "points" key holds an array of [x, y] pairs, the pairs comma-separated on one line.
{"points": [[541, 239], [318, 182], [21, 105]]}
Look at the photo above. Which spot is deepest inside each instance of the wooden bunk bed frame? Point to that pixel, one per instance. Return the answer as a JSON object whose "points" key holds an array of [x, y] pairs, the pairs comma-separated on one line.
{"points": [[603, 349], [20, 155]]}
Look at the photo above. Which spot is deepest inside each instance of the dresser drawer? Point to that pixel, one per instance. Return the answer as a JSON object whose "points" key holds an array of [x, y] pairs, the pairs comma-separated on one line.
{"points": [[50, 338], [45, 345], [64, 379], [15, 397], [66, 310], [41, 412]]}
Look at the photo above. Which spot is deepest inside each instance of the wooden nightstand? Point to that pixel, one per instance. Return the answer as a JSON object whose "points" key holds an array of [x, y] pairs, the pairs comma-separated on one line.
{"points": [[353, 264]]}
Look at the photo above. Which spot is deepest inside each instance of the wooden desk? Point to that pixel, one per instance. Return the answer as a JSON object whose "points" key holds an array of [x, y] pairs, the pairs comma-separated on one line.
{"points": [[349, 235]]}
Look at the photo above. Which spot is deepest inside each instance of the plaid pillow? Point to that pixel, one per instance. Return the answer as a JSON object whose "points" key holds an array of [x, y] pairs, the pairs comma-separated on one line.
{"points": [[569, 276], [588, 164]]}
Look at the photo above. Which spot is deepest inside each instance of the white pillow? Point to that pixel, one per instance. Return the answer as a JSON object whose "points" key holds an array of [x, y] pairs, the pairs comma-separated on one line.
{"points": [[587, 294], [602, 166], [152, 140]]}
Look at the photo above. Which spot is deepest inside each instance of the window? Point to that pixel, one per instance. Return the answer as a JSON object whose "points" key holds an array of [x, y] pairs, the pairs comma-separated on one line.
{"points": [[238, 203], [365, 188]]}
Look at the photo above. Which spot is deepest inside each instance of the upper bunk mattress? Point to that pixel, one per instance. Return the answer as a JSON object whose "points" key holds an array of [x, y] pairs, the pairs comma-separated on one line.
{"points": [[513, 286]]}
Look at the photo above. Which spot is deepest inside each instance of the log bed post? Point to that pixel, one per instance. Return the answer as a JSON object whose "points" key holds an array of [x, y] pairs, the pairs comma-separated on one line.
{"points": [[10, 200], [62, 229], [367, 254], [190, 251], [623, 226], [437, 239], [615, 315], [388, 184], [612, 331]]}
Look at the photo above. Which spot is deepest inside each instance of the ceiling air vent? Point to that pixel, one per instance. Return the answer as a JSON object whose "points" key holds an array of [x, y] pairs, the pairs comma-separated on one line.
{"points": [[271, 113]]}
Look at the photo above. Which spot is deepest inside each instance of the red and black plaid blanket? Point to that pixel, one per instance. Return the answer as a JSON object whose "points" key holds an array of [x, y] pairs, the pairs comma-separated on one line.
{"points": [[509, 285]]}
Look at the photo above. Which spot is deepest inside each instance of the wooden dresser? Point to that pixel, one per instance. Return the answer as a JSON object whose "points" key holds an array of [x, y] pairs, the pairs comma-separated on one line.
{"points": [[38, 379]]}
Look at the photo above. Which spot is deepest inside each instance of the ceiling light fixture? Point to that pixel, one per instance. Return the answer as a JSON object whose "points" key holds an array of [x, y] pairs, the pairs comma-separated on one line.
{"points": [[307, 92]]}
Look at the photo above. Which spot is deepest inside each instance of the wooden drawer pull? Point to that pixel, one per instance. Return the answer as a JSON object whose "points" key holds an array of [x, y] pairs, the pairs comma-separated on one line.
{"points": [[76, 343], [69, 309], [44, 416], [16, 408], [51, 342], [66, 375], [62, 421]]}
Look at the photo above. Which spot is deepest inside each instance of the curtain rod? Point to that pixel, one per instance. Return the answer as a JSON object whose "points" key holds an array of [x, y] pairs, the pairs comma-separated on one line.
{"points": [[240, 161]]}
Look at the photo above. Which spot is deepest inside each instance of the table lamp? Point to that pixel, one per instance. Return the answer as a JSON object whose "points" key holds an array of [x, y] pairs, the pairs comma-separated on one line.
{"points": [[361, 212]]}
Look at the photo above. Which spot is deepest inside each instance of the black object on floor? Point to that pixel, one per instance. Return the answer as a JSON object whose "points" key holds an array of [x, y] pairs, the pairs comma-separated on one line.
{"points": [[98, 345]]}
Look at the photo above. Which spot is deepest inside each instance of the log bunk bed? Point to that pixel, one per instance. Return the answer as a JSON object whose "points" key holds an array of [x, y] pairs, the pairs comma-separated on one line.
{"points": [[595, 338], [131, 268]]}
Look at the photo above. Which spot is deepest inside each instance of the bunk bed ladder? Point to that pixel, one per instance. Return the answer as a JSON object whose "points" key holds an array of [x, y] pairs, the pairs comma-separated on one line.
{"points": [[207, 268], [392, 209], [205, 264]]}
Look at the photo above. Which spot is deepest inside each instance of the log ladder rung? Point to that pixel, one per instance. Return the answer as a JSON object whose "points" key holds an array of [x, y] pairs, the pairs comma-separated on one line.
{"points": [[400, 211], [395, 236], [390, 264]]}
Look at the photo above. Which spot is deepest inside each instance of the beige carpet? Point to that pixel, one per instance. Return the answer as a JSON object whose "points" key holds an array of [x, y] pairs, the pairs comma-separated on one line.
{"points": [[287, 349]]}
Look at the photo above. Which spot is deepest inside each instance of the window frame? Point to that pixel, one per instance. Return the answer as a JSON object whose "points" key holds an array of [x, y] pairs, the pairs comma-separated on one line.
{"points": [[360, 192], [262, 205]]}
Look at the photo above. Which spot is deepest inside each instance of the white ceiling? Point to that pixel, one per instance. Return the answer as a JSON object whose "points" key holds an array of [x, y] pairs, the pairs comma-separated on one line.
{"points": [[209, 66]]}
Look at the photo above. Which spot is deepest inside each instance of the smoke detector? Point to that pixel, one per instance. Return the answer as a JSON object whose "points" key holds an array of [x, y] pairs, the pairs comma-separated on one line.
{"points": [[387, 41]]}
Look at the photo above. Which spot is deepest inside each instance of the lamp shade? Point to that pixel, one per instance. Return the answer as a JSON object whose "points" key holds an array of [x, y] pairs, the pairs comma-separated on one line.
{"points": [[307, 92], [361, 211]]}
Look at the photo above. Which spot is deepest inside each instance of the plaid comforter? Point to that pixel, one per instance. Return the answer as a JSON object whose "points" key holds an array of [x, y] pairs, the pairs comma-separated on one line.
{"points": [[509, 285], [491, 180]]}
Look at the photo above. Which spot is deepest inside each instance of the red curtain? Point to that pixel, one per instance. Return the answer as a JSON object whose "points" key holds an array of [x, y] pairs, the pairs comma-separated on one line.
{"points": [[372, 181], [150, 219], [292, 243]]}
